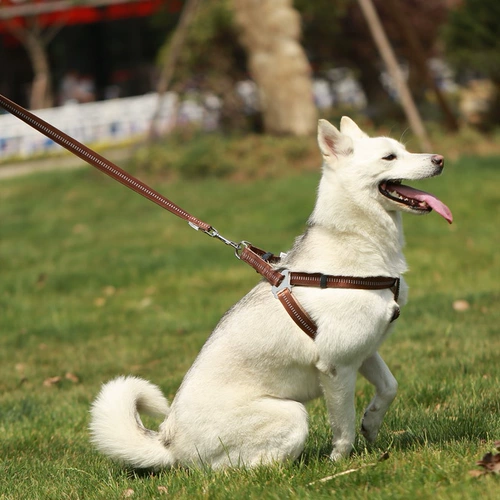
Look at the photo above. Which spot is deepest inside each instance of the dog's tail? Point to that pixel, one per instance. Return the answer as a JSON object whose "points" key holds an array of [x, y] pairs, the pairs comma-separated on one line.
{"points": [[116, 427]]}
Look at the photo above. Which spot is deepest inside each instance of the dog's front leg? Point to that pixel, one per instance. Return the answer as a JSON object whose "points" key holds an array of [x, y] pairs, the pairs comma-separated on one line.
{"points": [[377, 372], [338, 387]]}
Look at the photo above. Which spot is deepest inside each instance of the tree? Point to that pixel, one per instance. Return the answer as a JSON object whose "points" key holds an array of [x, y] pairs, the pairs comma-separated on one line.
{"points": [[171, 58], [473, 44], [389, 58], [471, 37], [335, 34], [270, 31], [35, 39], [211, 59], [36, 22], [202, 53], [418, 57]]}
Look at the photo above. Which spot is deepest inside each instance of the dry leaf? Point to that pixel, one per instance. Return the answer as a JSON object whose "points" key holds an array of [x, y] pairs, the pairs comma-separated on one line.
{"points": [[163, 490], [145, 302], [80, 228], [490, 463], [42, 279], [477, 473], [49, 382], [99, 302], [461, 305], [109, 290], [128, 493], [72, 377]]}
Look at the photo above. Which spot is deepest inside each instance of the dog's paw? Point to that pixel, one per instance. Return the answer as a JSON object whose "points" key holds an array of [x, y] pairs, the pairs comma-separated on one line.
{"points": [[369, 435], [370, 427], [340, 451]]}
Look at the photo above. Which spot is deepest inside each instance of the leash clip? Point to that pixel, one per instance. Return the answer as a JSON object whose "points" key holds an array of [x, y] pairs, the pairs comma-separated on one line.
{"points": [[283, 284], [213, 233]]}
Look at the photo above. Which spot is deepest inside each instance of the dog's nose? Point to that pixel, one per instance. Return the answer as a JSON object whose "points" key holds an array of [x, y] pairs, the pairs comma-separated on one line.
{"points": [[438, 160]]}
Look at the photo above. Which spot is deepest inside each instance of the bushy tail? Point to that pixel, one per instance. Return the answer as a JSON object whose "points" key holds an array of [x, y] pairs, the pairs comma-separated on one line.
{"points": [[116, 427]]}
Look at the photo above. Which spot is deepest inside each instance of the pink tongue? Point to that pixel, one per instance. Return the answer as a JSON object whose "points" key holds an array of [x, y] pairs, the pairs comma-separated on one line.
{"points": [[428, 198]]}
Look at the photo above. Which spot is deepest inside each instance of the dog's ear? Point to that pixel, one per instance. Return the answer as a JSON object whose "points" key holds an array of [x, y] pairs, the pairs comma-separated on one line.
{"points": [[331, 142], [349, 127]]}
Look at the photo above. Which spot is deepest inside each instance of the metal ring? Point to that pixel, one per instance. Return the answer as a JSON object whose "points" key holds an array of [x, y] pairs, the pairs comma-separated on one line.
{"points": [[240, 247]]}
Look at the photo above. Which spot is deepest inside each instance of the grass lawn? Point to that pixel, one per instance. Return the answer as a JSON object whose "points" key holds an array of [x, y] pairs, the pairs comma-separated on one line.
{"points": [[97, 282]]}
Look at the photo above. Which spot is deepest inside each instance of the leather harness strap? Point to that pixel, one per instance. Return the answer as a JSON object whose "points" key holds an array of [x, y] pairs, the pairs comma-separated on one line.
{"points": [[281, 281], [297, 313], [253, 256]]}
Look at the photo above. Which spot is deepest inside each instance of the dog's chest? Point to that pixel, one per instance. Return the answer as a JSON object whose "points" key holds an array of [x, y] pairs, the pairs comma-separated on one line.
{"points": [[351, 323]]}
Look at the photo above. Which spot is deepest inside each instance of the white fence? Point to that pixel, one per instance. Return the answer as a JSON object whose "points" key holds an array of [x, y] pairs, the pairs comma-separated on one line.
{"points": [[119, 120], [107, 122]]}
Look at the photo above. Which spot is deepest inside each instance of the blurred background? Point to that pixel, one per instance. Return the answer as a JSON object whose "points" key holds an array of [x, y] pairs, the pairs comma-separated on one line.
{"points": [[111, 72]]}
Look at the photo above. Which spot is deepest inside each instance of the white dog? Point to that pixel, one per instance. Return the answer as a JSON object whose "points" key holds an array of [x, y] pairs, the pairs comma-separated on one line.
{"points": [[242, 401]]}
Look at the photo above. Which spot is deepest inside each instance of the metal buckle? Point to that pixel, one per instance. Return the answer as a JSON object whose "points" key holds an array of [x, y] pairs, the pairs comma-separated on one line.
{"points": [[284, 283], [240, 247], [213, 233]]}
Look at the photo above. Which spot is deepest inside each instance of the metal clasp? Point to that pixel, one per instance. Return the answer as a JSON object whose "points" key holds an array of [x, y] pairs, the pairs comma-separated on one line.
{"points": [[213, 233], [241, 246], [285, 283]]}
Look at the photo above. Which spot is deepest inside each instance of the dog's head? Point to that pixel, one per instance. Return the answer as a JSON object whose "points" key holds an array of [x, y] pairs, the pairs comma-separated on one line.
{"points": [[375, 167]]}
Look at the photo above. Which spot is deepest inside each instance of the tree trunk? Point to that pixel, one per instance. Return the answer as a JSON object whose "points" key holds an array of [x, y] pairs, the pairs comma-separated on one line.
{"points": [[420, 61], [270, 32], [171, 58], [36, 47], [389, 58], [41, 91]]}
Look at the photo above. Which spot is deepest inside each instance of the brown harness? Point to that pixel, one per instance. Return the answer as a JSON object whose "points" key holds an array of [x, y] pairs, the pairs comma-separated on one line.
{"points": [[263, 262], [283, 281]]}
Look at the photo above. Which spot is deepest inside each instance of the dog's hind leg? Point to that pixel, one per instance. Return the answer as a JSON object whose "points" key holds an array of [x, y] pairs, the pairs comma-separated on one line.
{"points": [[266, 430], [338, 387], [280, 430], [377, 372]]}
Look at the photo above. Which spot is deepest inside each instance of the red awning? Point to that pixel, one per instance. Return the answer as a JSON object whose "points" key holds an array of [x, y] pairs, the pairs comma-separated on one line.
{"points": [[69, 14]]}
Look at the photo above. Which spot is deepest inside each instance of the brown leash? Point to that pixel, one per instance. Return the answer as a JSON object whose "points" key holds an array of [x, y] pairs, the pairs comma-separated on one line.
{"points": [[263, 262], [98, 161]]}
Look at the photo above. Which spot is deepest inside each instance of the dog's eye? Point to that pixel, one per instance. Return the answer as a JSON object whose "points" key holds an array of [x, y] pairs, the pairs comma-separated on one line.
{"points": [[389, 157]]}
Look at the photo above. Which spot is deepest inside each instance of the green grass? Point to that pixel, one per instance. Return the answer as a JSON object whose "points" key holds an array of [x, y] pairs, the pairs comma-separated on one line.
{"points": [[97, 282]]}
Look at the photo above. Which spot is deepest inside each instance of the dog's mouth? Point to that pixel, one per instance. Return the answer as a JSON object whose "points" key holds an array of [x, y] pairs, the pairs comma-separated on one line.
{"points": [[416, 200]]}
